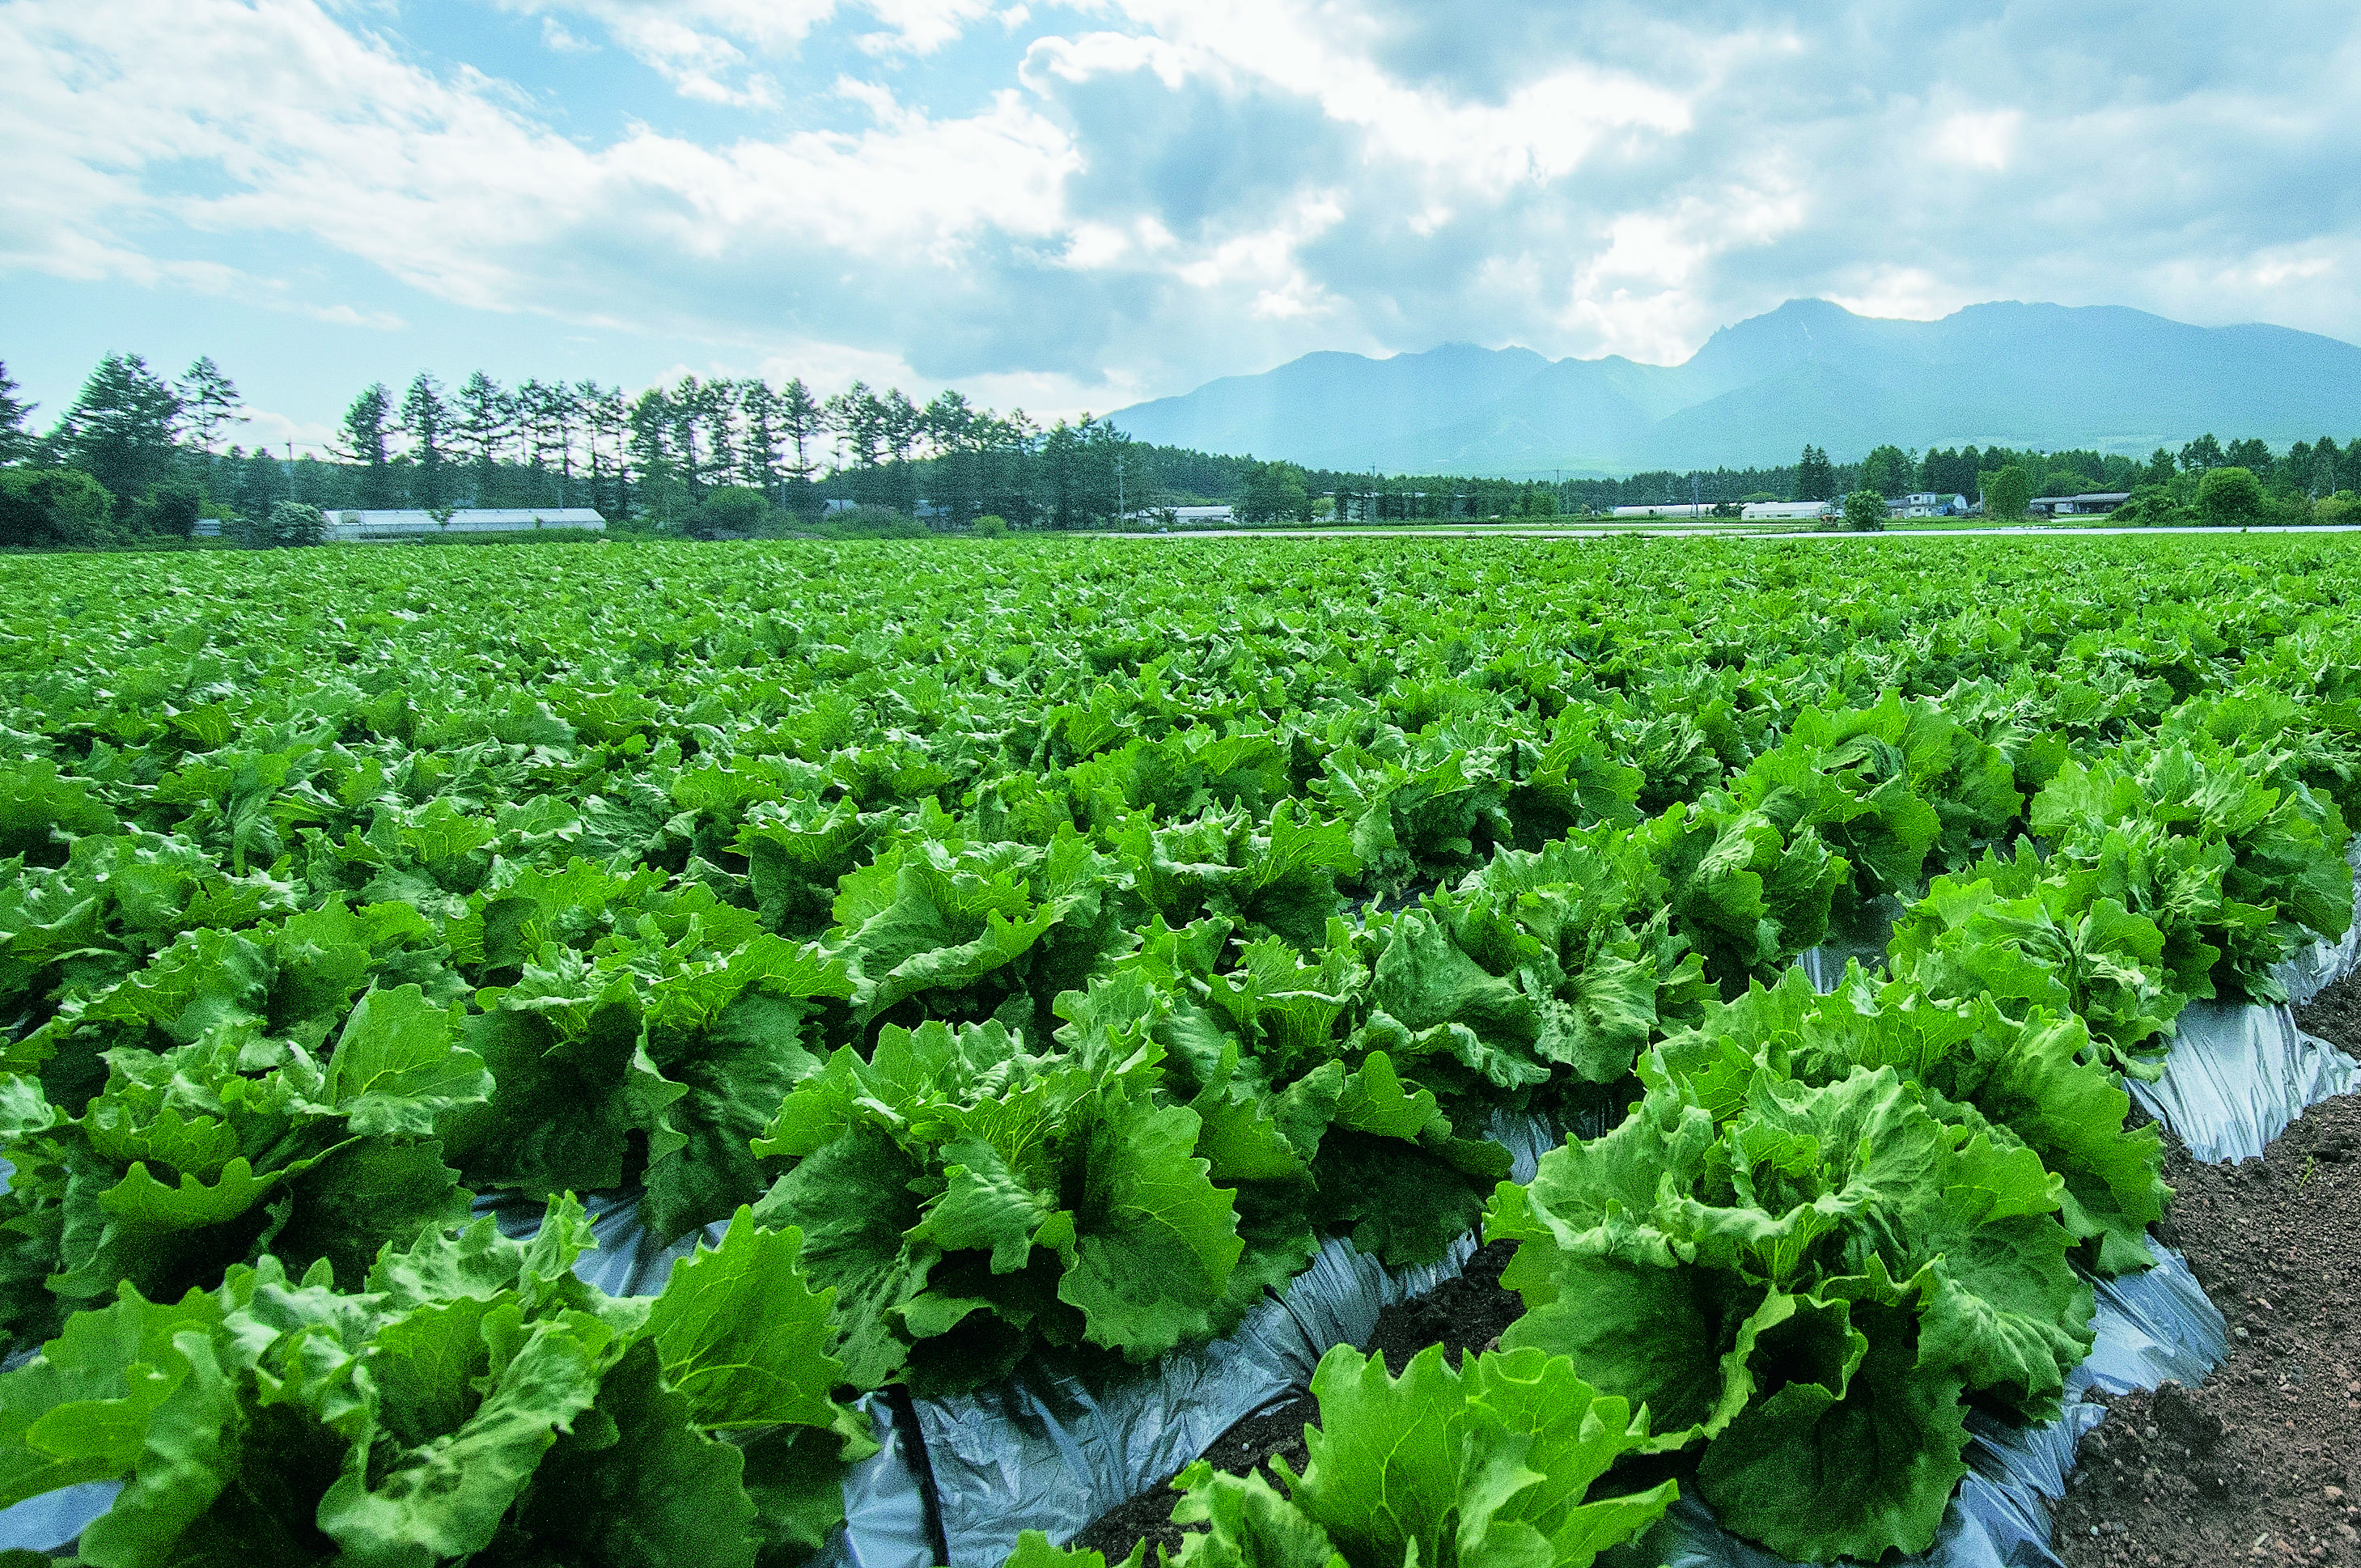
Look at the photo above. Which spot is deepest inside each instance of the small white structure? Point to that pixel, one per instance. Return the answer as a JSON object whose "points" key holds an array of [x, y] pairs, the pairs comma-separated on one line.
{"points": [[2096, 503], [371, 527], [206, 528], [1201, 517], [1785, 512], [1669, 509], [1928, 503]]}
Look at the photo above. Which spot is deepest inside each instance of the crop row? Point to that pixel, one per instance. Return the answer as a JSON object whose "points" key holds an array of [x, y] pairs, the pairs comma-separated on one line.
{"points": [[1061, 989]]}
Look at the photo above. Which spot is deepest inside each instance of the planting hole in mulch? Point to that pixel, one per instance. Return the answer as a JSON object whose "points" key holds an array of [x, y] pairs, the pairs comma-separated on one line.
{"points": [[1463, 1315]]}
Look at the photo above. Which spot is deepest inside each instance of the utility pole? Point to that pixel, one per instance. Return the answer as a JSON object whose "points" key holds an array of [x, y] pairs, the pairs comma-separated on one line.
{"points": [[1119, 512]]}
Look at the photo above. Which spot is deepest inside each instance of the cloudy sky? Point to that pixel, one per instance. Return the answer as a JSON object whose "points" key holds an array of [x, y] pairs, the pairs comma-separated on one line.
{"points": [[1069, 206]]}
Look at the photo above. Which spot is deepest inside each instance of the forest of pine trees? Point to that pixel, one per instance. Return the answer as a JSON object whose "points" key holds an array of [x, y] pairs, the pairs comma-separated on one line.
{"points": [[137, 456]]}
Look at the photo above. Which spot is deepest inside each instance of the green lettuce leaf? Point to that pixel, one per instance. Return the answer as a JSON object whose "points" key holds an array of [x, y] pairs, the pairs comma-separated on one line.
{"points": [[1489, 1463]]}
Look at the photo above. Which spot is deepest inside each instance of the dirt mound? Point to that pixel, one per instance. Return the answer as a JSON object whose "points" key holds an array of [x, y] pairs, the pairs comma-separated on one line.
{"points": [[2262, 1464]]}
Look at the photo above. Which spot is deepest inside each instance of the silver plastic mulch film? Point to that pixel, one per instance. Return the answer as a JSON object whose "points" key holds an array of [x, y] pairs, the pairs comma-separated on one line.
{"points": [[1050, 1454], [54, 1520], [887, 1521], [2238, 1075], [629, 1259], [2323, 963], [1049, 1451]]}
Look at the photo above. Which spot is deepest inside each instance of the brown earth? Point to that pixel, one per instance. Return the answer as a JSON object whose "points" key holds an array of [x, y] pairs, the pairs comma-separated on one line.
{"points": [[2261, 1464]]}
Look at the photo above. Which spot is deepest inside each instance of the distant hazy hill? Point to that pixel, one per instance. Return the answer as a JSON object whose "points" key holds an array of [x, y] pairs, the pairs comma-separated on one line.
{"points": [[2047, 375]]}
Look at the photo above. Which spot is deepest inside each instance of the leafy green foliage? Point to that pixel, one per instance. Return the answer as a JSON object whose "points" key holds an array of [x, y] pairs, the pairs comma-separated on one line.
{"points": [[234, 1146], [472, 1400], [1494, 1462], [2033, 1078], [990, 932], [1746, 893], [673, 1044], [2232, 870], [2007, 932], [965, 1198], [1809, 1280], [1864, 511], [1065, 944]]}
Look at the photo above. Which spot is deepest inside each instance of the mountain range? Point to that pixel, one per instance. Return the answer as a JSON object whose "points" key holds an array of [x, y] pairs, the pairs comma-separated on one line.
{"points": [[2050, 376]]}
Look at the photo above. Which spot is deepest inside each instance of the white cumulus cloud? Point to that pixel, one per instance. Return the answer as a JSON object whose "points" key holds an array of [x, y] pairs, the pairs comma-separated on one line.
{"points": [[1081, 203]]}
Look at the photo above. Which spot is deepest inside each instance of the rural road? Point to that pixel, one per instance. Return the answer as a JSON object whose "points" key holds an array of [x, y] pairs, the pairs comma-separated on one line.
{"points": [[1486, 531]]}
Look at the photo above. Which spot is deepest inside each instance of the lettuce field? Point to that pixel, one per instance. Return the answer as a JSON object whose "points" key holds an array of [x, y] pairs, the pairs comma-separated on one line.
{"points": [[1039, 948]]}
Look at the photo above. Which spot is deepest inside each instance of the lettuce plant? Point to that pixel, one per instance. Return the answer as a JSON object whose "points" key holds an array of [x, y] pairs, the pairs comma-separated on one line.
{"points": [[472, 1401], [1496, 1461], [1806, 1285], [2030, 936], [232, 1147], [2035, 1078], [967, 1199]]}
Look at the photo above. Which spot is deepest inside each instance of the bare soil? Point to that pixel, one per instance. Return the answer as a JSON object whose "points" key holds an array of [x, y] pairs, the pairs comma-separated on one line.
{"points": [[2261, 1464]]}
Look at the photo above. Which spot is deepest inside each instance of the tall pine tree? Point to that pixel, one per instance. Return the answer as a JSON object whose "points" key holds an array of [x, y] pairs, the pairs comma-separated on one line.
{"points": [[17, 443], [483, 418], [209, 402], [1816, 477], [120, 429], [361, 440], [426, 420]]}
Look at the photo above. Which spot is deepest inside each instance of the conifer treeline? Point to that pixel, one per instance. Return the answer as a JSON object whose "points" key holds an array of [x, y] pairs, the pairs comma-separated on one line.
{"points": [[160, 454]]}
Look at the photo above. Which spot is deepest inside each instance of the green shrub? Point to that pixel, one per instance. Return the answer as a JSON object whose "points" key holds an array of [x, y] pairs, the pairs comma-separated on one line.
{"points": [[2231, 497], [991, 525], [291, 523], [172, 507], [2151, 505], [1864, 511], [2006, 492], [51, 507], [733, 509]]}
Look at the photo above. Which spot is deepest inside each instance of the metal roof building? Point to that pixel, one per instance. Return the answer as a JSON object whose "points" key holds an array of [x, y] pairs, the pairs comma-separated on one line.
{"points": [[366, 527], [2095, 503]]}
